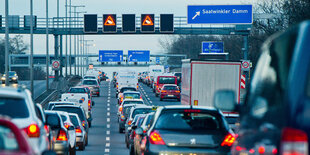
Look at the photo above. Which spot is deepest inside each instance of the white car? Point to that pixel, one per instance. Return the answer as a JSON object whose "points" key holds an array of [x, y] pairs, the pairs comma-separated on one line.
{"points": [[79, 130], [18, 105]]}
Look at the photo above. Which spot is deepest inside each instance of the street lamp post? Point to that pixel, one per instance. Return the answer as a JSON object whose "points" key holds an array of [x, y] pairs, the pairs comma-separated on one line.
{"points": [[31, 48], [47, 46], [6, 42]]}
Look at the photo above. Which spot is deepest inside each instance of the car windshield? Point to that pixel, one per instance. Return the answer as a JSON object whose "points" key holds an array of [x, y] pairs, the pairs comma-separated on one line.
{"points": [[19, 105], [170, 88], [141, 111], [187, 120], [131, 95], [148, 121], [166, 80], [77, 111], [231, 120], [77, 90], [127, 89], [127, 111], [12, 73], [74, 120], [89, 82], [89, 77], [50, 105], [132, 102]]}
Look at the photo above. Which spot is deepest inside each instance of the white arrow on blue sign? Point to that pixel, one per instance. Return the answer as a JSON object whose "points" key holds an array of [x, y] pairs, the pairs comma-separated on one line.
{"points": [[212, 47], [138, 55], [219, 14]]}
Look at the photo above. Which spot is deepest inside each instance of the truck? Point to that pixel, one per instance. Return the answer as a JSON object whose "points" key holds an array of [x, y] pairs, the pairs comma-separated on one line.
{"points": [[154, 70], [127, 78], [201, 79]]}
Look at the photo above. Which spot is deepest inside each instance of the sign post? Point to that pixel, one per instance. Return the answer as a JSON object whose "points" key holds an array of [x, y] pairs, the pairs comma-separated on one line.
{"points": [[138, 56], [219, 14], [56, 64], [110, 55]]}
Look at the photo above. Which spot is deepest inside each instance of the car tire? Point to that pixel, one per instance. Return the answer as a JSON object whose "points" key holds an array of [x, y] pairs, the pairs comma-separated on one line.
{"points": [[86, 141], [161, 99], [72, 151], [179, 100], [131, 151], [82, 147], [89, 124], [156, 94], [120, 130]]}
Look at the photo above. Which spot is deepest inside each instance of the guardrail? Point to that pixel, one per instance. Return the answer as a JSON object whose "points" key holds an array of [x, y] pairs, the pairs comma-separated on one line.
{"points": [[52, 95]]}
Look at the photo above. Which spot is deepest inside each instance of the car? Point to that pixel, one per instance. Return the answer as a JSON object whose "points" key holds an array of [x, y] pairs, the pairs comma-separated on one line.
{"points": [[123, 89], [138, 109], [136, 123], [12, 140], [129, 101], [78, 89], [77, 110], [129, 95], [79, 130], [91, 77], [140, 139], [53, 103], [185, 129], [12, 77], [70, 129], [93, 85], [162, 80], [59, 131], [233, 120], [274, 118], [17, 104], [170, 91], [123, 116]]}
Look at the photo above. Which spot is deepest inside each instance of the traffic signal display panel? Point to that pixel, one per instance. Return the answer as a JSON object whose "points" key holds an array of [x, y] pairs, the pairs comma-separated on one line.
{"points": [[90, 23], [166, 23], [129, 23], [109, 23], [147, 23]]}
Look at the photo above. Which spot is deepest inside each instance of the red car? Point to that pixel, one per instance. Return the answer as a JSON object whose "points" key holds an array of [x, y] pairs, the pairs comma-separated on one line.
{"points": [[170, 91], [12, 140], [162, 80]]}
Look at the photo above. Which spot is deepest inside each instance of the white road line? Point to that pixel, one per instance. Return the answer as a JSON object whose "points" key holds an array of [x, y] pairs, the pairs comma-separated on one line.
{"points": [[108, 125], [108, 109], [106, 150], [108, 104], [108, 119], [108, 132], [107, 145], [108, 100], [148, 98], [109, 97], [107, 138], [108, 113], [151, 102]]}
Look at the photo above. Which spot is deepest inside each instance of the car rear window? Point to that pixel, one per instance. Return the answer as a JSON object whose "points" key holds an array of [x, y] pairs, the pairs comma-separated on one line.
{"points": [[89, 82], [187, 120], [166, 80], [232, 120], [170, 88], [77, 90], [141, 111], [74, 120], [127, 89], [64, 118], [77, 111], [132, 102], [131, 95], [14, 108]]}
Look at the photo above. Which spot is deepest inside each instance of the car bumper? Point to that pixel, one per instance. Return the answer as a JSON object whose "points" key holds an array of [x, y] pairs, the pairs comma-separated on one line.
{"points": [[165, 150], [79, 139], [61, 147], [170, 96]]}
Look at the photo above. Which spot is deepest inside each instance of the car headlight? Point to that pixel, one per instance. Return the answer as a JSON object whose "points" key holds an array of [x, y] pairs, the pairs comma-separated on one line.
{"points": [[14, 78], [3, 78]]}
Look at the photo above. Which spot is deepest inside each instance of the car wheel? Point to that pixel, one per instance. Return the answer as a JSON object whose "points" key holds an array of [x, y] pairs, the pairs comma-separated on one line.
{"points": [[73, 151], [120, 130], [179, 100], [82, 147], [98, 94], [89, 124], [156, 94], [161, 99], [86, 141]]}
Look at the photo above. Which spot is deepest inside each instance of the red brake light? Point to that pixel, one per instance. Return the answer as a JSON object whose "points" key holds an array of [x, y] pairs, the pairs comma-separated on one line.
{"points": [[294, 142], [67, 125], [78, 130], [62, 135], [177, 91], [156, 139], [192, 110], [164, 91], [120, 109], [83, 123], [46, 128], [32, 130], [129, 122], [229, 140], [261, 150]]}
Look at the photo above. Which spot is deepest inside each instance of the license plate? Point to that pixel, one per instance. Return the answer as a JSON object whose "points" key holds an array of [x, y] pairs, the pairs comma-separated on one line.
{"points": [[128, 97], [170, 95]]}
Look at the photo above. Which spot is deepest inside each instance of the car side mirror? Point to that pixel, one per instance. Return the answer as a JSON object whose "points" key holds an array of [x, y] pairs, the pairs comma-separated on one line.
{"points": [[139, 131], [225, 100], [93, 103]]}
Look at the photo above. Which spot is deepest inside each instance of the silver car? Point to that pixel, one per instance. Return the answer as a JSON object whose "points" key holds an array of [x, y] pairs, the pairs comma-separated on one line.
{"points": [[80, 132]]}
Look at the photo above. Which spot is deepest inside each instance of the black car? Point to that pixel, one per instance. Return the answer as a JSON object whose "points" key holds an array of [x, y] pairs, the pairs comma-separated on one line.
{"points": [[274, 119], [188, 130], [77, 110]]}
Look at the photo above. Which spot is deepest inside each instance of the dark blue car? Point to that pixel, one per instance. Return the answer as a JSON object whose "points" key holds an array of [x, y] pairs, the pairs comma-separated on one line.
{"points": [[275, 118]]}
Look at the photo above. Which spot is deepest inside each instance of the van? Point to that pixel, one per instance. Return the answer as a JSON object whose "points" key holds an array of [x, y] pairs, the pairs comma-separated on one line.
{"points": [[161, 80]]}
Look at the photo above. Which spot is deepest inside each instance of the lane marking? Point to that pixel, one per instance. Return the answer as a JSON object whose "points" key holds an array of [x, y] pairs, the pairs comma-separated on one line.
{"points": [[148, 98], [108, 132], [107, 138], [107, 145], [151, 102], [108, 109], [108, 119], [108, 100], [106, 150], [108, 113], [108, 125], [108, 104]]}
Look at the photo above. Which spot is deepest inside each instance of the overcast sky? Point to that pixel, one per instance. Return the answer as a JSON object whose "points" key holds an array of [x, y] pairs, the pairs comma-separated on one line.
{"points": [[111, 42]]}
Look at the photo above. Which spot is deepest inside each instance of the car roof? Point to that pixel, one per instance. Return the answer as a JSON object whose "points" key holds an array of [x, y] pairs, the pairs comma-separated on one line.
{"points": [[69, 106], [89, 79], [170, 85], [78, 87], [133, 100], [189, 107], [12, 92], [128, 87], [133, 92], [62, 112], [53, 102]]}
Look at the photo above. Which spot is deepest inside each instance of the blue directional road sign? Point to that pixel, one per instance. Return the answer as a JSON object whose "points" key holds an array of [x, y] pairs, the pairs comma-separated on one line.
{"points": [[219, 14], [212, 47], [110, 55], [157, 60], [138, 56]]}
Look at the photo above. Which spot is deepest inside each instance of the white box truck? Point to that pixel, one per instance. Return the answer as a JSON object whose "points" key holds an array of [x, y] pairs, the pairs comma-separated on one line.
{"points": [[201, 79]]}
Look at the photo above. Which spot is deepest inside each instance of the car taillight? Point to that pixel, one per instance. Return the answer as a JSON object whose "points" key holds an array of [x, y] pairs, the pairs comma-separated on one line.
{"points": [[261, 150], [294, 142], [133, 134], [32, 130], [46, 128], [122, 99], [78, 129], [83, 123], [89, 105], [177, 91], [120, 109], [137, 86], [129, 122], [156, 139], [122, 118], [229, 140], [140, 97], [164, 91], [62, 135], [67, 125]]}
